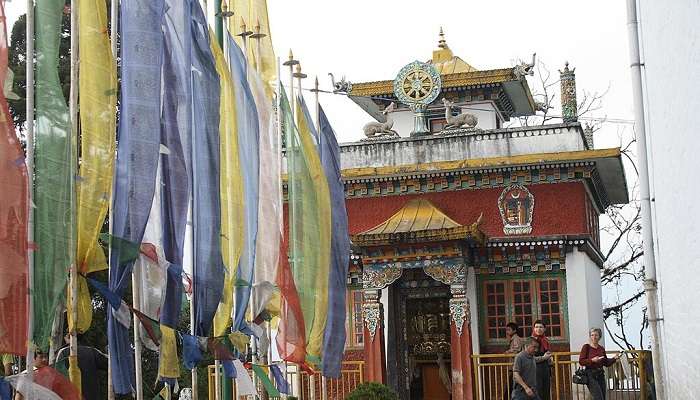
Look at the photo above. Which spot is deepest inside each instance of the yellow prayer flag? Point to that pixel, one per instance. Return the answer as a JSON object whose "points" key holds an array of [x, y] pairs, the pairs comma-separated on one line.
{"points": [[168, 365]]}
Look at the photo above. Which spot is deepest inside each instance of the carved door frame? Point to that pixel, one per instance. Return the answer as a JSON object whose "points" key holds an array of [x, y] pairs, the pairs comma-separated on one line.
{"points": [[402, 292]]}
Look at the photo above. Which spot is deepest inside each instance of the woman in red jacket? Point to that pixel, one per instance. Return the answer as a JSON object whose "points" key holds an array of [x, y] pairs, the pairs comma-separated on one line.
{"points": [[593, 357]]}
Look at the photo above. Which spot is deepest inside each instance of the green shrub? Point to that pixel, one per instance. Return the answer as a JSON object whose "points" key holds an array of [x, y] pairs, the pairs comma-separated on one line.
{"points": [[372, 391]]}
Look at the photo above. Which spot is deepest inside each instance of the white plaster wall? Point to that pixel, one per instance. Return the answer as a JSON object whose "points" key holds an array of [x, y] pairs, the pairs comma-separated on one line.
{"points": [[485, 111], [494, 143], [584, 297], [671, 55], [384, 299]]}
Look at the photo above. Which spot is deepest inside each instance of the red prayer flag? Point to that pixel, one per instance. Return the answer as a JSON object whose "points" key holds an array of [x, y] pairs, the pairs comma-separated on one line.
{"points": [[57, 383], [14, 210]]}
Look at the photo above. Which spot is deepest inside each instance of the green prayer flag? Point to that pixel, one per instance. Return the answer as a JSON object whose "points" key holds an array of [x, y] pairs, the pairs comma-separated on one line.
{"points": [[267, 383], [128, 251], [54, 186]]}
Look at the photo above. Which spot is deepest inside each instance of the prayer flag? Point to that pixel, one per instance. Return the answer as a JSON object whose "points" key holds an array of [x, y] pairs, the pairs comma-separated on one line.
{"points": [[267, 253], [266, 382], [311, 244], [53, 180], [231, 184], [137, 159], [282, 384], [98, 98], [14, 209], [208, 266], [248, 151], [254, 12], [334, 337], [245, 384], [168, 365], [291, 337]]}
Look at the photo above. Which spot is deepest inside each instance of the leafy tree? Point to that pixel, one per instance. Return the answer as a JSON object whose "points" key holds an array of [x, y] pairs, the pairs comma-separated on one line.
{"points": [[17, 62]]}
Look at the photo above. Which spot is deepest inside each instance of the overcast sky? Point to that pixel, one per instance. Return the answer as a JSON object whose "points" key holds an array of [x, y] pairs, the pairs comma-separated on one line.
{"points": [[371, 40]]}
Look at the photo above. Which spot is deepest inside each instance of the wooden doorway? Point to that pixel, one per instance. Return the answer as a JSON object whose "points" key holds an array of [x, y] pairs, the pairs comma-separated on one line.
{"points": [[421, 319]]}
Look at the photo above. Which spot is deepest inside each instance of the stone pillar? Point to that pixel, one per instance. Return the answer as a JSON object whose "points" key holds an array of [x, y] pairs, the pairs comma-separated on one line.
{"points": [[373, 315], [461, 342], [569, 106]]}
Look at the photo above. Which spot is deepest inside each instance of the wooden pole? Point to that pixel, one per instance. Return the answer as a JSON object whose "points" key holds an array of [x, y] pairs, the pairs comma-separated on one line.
{"points": [[30, 173]]}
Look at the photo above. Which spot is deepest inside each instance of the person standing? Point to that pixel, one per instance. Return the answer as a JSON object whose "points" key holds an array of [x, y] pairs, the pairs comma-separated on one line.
{"points": [[515, 346], [90, 360], [515, 342], [543, 358], [593, 358], [525, 372]]}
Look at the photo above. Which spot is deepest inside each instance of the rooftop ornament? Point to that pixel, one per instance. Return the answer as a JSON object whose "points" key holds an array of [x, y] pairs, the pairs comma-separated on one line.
{"points": [[417, 85]]}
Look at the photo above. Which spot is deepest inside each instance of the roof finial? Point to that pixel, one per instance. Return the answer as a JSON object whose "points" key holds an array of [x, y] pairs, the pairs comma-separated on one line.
{"points": [[442, 43]]}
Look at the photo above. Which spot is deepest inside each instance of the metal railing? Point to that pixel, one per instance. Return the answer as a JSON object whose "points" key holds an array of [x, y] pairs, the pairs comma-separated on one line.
{"points": [[307, 386], [493, 377]]}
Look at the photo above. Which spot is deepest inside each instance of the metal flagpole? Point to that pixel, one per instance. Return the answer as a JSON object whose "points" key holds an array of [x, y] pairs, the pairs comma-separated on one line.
{"points": [[73, 108], [291, 62], [29, 35], [244, 39], [257, 35], [300, 75], [324, 394], [114, 25]]}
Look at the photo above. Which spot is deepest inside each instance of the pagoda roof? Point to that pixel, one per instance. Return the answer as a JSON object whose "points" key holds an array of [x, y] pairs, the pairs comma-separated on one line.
{"points": [[456, 74], [450, 80], [418, 220]]}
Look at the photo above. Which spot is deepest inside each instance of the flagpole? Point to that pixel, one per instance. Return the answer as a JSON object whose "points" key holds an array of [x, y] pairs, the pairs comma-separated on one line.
{"points": [[114, 29], [138, 346], [73, 108], [291, 62], [300, 75], [29, 35], [258, 36], [244, 34], [244, 39], [324, 394]]}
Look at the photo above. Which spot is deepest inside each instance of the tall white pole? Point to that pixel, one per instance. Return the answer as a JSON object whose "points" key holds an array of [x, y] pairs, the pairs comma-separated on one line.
{"points": [[114, 24], [138, 346], [29, 35], [650, 282], [73, 108], [291, 62]]}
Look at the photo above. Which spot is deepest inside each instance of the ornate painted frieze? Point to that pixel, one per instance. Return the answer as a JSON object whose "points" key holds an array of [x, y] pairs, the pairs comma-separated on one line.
{"points": [[461, 180], [371, 313], [516, 205], [459, 312], [448, 274], [522, 257], [379, 278]]}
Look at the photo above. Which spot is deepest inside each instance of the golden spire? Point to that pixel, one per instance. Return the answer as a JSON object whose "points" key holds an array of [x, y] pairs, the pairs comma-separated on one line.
{"points": [[445, 61], [442, 43]]}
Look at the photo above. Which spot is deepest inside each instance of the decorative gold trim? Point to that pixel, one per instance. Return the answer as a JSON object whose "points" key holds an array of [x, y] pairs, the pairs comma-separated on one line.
{"points": [[431, 235], [473, 78]]}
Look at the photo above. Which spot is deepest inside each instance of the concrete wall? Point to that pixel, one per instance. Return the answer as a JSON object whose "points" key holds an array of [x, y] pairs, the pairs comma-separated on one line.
{"points": [[490, 143], [671, 55], [584, 297]]}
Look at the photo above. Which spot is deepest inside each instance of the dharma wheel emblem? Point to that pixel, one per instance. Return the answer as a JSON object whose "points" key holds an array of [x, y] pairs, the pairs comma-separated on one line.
{"points": [[417, 83]]}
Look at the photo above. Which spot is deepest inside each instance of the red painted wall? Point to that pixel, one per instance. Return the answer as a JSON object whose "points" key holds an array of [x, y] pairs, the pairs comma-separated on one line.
{"points": [[560, 209]]}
